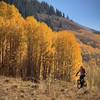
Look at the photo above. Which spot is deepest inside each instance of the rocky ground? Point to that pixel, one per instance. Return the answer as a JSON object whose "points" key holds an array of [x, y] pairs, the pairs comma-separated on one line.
{"points": [[16, 89]]}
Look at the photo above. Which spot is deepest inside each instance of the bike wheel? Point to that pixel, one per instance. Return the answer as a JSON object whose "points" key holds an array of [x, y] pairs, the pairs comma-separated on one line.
{"points": [[78, 84], [85, 84]]}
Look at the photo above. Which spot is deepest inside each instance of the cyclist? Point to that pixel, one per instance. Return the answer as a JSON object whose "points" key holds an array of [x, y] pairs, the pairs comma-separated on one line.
{"points": [[82, 75]]}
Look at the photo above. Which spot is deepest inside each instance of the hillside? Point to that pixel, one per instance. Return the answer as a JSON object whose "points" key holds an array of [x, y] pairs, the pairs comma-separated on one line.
{"points": [[31, 51], [58, 21], [16, 89]]}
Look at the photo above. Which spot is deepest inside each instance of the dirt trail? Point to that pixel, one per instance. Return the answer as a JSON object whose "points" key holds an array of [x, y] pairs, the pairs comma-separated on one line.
{"points": [[16, 89]]}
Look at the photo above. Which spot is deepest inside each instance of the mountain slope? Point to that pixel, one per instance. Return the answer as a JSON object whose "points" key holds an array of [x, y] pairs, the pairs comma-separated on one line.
{"points": [[14, 41], [60, 23], [16, 89], [57, 21]]}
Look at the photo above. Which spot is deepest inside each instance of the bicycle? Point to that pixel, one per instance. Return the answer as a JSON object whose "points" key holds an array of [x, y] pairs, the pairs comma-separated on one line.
{"points": [[81, 83]]}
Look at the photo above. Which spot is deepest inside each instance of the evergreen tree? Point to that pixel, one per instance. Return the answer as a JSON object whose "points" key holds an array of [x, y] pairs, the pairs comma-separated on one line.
{"points": [[58, 13]]}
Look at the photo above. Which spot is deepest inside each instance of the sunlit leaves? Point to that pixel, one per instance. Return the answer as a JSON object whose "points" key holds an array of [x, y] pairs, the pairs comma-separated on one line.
{"points": [[31, 48]]}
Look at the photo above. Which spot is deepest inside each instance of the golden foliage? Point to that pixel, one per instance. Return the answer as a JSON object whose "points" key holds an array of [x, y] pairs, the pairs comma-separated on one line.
{"points": [[31, 48]]}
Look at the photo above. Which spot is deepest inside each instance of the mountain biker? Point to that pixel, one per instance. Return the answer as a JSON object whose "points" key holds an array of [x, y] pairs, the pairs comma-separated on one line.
{"points": [[82, 75]]}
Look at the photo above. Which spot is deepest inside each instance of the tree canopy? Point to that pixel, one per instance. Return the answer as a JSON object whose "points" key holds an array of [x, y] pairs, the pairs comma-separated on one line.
{"points": [[31, 48]]}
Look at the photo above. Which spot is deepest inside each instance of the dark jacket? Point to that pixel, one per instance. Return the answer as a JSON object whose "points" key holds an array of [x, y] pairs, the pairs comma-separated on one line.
{"points": [[81, 71]]}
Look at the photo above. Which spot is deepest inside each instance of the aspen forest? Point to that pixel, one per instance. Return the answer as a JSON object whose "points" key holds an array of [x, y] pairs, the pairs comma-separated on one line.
{"points": [[31, 48], [42, 51]]}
